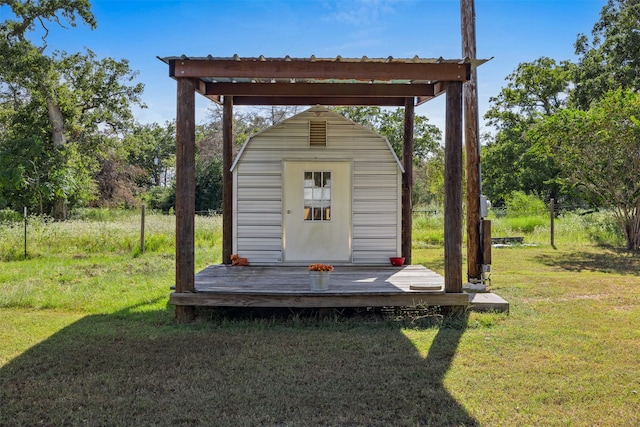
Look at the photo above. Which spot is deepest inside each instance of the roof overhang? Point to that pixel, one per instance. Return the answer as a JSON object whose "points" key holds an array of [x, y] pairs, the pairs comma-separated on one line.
{"points": [[321, 81]]}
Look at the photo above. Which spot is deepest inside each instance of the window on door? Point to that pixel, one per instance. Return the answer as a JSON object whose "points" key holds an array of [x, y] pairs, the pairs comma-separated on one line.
{"points": [[317, 196]]}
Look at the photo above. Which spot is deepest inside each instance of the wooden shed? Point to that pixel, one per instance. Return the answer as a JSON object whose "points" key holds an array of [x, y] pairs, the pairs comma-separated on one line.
{"points": [[327, 143], [317, 187]]}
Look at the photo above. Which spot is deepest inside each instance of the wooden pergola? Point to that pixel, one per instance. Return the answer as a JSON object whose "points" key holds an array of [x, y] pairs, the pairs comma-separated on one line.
{"points": [[317, 81]]}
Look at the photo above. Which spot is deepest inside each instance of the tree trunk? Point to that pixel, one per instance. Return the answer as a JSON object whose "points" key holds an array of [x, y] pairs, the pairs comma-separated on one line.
{"points": [[58, 139], [59, 209], [57, 124], [632, 233]]}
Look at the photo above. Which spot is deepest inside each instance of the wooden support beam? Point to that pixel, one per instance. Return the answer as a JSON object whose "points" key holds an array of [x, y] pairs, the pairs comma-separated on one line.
{"points": [[185, 195], [227, 179], [347, 70], [438, 89], [472, 146], [407, 179], [320, 89], [385, 101], [453, 189], [220, 299]]}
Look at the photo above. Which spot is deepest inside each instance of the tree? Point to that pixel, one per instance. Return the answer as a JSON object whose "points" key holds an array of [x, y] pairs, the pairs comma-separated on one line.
{"points": [[611, 59], [429, 187], [65, 114], [599, 152], [29, 65], [510, 161], [390, 123], [153, 148], [428, 169]]}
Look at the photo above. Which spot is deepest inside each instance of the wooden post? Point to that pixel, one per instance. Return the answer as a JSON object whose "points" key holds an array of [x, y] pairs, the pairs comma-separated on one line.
{"points": [[453, 189], [227, 179], [486, 242], [472, 146], [407, 180], [552, 216], [185, 195], [25, 232], [142, 229]]}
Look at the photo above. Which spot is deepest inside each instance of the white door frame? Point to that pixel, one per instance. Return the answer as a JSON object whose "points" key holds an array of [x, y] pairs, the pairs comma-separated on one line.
{"points": [[311, 241]]}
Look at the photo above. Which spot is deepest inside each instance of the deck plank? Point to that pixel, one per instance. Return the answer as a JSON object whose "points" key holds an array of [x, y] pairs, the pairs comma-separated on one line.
{"points": [[344, 280], [350, 286]]}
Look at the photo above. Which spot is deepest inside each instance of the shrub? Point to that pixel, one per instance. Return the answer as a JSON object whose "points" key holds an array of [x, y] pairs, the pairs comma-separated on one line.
{"points": [[161, 198], [520, 204], [8, 215]]}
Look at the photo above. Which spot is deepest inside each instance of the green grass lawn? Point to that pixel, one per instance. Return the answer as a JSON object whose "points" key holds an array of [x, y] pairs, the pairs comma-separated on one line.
{"points": [[88, 339]]}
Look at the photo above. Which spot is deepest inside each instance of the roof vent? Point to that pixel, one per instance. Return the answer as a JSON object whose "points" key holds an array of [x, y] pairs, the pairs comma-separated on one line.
{"points": [[317, 133]]}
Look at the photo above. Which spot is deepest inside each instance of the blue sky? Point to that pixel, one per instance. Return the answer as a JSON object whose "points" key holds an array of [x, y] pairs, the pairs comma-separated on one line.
{"points": [[510, 31]]}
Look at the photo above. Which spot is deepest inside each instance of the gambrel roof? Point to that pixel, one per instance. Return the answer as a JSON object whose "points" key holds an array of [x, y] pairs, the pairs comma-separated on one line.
{"points": [[314, 112]]}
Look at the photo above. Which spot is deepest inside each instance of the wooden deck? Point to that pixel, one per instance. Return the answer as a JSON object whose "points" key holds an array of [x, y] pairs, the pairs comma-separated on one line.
{"points": [[350, 286]]}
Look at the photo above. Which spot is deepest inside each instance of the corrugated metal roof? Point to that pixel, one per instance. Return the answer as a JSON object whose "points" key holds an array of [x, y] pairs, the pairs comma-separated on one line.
{"points": [[370, 81], [390, 59], [313, 59]]}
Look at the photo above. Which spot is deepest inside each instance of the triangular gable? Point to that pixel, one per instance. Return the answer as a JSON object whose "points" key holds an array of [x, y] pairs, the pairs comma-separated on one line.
{"points": [[312, 112]]}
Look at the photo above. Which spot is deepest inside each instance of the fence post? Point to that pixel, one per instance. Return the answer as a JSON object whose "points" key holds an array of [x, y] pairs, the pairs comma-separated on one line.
{"points": [[25, 232], [142, 230], [552, 215]]}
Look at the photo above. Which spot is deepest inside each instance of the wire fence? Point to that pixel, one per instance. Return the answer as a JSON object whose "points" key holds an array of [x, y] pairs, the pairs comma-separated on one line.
{"points": [[431, 217]]}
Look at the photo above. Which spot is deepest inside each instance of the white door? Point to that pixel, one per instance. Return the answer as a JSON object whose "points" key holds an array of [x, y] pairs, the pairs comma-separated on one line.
{"points": [[317, 212]]}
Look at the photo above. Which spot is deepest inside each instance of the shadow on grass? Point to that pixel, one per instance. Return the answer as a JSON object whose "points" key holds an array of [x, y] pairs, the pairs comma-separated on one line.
{"points": [[607, 260], [127, 370]]}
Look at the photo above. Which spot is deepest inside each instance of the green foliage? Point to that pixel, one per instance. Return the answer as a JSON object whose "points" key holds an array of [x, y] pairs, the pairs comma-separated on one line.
{"points": [[428, 153], [520, 204], [152, 148], [524, 224], [8, 215], [209, 184], [29, 14], [599, 151], [92, 232], [611, 59], [390, 124], [427, 228], [428, 188], [571, 228], [62, 115], [589, 151], [208, 188], [510, 160], [161, 198]]}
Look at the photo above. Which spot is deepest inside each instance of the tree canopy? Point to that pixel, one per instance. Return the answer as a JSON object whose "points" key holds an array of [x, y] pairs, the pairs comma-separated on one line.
{"points": [[568, 130], [611, 58], [511, 161], [390, 124], [63, 115], [599, 152]]}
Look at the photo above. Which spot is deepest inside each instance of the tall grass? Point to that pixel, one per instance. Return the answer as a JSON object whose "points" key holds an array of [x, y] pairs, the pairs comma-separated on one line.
{"points": [[570, 228], [82, 263], [98, 232], [428, 229]]}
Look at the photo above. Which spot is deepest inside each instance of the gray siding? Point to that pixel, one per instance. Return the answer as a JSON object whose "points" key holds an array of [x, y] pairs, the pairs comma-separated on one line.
{"points": [[258, 181]]}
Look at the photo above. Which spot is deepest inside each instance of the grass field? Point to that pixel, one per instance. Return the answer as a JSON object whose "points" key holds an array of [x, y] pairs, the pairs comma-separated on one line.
{"points": [[88, 339]]}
